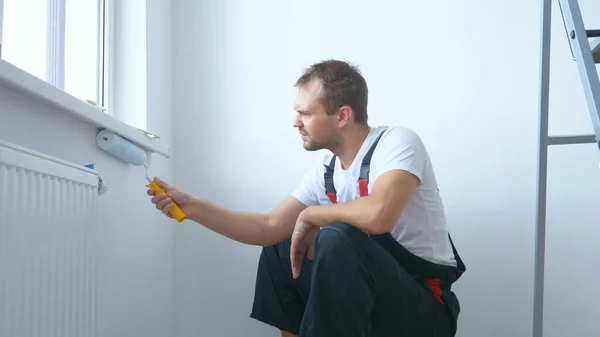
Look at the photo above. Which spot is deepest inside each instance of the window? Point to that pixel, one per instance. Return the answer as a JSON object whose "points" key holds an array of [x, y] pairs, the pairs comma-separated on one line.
{"points": [[59, 41]]}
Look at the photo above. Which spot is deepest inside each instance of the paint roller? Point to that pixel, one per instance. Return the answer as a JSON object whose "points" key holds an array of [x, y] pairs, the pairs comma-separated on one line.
{"points": [[128, 152]]}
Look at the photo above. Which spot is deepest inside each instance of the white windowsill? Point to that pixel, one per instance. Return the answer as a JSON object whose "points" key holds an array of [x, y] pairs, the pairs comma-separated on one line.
{"points": [[22, 81]]}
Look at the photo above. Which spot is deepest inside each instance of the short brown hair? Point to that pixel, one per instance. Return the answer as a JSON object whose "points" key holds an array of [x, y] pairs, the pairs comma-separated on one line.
{"points": [[343, 84]]}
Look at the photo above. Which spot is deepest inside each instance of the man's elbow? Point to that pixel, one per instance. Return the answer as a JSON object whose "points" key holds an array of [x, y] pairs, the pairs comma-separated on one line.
{"points": [[381, 221], [272, 231], [380, 227]]}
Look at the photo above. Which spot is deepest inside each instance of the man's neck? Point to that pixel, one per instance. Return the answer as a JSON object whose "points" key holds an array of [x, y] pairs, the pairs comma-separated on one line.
{"points": [[350, 146]]}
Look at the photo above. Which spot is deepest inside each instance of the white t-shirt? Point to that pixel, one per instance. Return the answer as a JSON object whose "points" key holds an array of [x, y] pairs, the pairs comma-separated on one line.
{"points": [[421, 228]]}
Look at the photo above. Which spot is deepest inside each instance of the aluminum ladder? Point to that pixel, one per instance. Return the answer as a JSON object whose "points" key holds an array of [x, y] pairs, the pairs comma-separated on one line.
{"points": [[586, 53]]}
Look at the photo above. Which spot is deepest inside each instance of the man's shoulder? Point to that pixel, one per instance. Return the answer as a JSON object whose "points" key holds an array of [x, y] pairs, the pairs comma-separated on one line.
{"points": [[398, 138], [397, 133]]}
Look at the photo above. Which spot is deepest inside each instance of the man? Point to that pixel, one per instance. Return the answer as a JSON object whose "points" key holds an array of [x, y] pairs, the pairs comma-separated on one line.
{"points": [[361, 247]]}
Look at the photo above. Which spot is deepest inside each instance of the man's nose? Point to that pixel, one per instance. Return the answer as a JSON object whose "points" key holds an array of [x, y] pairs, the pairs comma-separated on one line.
{"points": [[297, 123]]}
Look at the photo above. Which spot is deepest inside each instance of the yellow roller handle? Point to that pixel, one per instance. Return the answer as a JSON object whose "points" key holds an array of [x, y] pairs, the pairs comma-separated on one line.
{"points": [[176, 212]]}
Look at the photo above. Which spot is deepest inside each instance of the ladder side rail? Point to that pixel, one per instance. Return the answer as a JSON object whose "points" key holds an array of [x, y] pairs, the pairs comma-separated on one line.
{"points": [[542, 167]]}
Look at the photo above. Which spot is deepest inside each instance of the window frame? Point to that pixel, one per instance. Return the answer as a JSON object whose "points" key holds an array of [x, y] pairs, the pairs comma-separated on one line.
{"points": [[106, 57], [1, 24], [55, 45]]}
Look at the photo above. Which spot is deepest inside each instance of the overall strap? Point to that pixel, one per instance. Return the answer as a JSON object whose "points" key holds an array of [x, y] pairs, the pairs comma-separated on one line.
{"points": [[365, 169], [329, 186], [460, 265], [363, 179]]}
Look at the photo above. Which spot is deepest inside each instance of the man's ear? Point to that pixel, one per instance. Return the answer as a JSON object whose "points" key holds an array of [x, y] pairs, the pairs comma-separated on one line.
{"points": [[344, 115]]}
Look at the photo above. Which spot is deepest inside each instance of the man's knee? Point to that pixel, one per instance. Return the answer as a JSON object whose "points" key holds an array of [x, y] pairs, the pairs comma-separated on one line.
{"points": [[341, 233], [339, 238]]}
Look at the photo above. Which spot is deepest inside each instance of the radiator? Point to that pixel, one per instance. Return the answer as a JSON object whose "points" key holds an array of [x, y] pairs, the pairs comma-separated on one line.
{"points": [[48, 217]]}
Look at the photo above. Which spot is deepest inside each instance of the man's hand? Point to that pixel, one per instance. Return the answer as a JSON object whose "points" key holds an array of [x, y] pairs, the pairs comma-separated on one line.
{"points": [[165, 202], [303, 242]]}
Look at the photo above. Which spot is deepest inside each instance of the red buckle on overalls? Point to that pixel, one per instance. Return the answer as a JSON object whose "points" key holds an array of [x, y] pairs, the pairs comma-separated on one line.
{"points": [[363, 187]]}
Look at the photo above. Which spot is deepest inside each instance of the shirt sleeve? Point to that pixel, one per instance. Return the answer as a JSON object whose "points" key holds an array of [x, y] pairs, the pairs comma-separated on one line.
{"points": [[400, 149], [310, 186]]}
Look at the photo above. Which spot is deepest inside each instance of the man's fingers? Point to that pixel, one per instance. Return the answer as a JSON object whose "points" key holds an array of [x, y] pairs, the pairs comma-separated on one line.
{"points": [[296, 267], [161, 205], [157, 198], [167, 209], [178, 197], [296, 254], [293, 256]]}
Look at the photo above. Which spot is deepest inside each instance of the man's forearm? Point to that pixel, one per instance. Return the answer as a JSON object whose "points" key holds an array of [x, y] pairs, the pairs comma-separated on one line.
{"points": [[363, 213], [245, 227]]}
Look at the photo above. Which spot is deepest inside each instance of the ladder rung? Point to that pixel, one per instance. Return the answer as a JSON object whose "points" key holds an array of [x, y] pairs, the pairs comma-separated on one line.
{"points": [[576, 139], [593, 32]]}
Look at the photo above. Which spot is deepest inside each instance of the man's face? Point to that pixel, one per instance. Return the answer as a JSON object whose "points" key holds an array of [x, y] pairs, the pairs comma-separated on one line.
{"points": [[317, 129]]}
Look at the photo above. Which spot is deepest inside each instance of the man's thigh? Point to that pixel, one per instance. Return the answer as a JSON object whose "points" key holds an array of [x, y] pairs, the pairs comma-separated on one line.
{"points": [[403, 306]]}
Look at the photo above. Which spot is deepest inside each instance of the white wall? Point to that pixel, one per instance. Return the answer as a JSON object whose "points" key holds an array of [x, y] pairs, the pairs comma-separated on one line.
{"points": [[135, 259], [464, 74]]}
